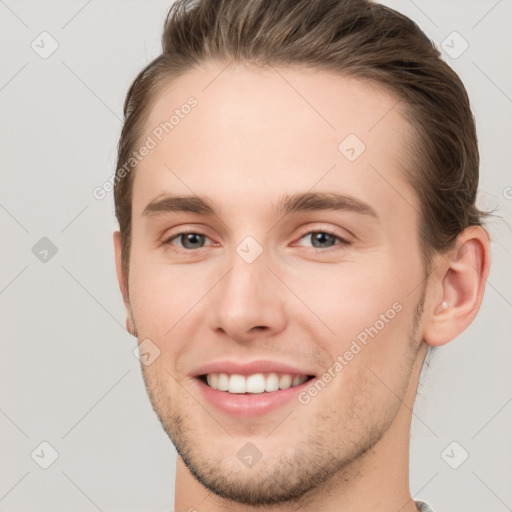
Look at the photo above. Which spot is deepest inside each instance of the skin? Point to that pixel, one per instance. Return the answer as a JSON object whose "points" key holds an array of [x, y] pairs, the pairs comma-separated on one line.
{"points": [[256, 135]]}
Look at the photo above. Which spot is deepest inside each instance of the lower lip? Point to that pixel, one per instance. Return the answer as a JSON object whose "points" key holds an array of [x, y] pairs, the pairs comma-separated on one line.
{"points": [[249, 404]]}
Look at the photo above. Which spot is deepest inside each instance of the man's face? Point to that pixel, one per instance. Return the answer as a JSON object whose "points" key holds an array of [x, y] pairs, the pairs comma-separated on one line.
{"points": [[259, 290]]}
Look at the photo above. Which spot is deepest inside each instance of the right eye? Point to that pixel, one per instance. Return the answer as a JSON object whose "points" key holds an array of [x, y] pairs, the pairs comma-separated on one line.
{"points": [[188, 240]]}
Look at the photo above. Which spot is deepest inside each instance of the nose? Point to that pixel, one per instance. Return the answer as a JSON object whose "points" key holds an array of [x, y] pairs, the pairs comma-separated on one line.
{"points": [[248, 303]]}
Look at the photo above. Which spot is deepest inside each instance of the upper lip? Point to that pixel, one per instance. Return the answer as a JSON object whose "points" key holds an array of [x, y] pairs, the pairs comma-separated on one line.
{"points": [[249, 368]]}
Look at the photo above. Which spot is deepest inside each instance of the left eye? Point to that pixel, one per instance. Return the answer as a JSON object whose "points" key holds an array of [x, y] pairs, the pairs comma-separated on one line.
{"points": [[323, 239]]}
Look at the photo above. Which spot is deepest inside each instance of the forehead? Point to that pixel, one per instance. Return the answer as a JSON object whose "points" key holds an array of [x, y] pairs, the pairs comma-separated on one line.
{"points": [[267, 130]]}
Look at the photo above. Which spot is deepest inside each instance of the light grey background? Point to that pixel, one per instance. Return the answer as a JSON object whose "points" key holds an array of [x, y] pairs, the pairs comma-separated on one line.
{"points": [[67, 369]]}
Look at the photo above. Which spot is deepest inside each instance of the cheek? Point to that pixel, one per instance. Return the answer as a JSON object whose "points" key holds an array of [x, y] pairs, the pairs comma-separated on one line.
{"points": [[349, 298], [159, 297], [366, 314]]}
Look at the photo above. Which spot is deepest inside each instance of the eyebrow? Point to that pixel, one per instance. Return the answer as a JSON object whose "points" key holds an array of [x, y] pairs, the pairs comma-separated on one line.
{"points": [[300, 202]]}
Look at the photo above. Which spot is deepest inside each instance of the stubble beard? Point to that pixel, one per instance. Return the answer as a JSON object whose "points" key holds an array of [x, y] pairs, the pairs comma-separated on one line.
{"points": [[324, 453]]}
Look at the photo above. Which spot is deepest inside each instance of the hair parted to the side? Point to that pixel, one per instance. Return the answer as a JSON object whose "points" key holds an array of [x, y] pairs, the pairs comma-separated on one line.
{"points": [[354, 38]]}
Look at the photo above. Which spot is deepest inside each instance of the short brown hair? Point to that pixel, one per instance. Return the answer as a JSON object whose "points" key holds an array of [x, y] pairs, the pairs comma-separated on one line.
{"points": [[355, 38]]}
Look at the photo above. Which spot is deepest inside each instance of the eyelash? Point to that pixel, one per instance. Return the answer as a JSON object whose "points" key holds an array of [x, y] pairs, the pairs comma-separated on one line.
{"points": [[342, 242]]}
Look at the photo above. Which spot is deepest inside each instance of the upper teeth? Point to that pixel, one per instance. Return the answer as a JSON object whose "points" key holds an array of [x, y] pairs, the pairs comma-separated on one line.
{"points": [[256, 383]]}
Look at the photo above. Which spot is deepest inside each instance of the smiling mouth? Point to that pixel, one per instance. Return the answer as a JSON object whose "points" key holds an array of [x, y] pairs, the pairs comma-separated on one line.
{"points": [[256, 383]]}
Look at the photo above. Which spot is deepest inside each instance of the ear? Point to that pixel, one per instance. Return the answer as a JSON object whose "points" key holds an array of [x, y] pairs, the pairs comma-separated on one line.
{"points": [[123, 284], [459, 285]]}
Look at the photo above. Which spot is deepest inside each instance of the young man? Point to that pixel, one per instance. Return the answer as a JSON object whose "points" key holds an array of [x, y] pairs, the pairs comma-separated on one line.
{"points": [[295, 190]]}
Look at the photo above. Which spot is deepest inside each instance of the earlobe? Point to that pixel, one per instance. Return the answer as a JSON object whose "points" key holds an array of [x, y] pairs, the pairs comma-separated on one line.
{"points": [[130, 325], [459, 287], [123, 284]]}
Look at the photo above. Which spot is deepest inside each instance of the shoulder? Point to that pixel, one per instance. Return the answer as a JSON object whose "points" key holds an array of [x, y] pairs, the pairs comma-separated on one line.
{"points": [[423, 507]]}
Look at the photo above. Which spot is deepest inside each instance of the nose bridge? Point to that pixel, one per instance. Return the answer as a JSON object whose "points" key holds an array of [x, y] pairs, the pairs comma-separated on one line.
{"points": [[245, 298]]}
